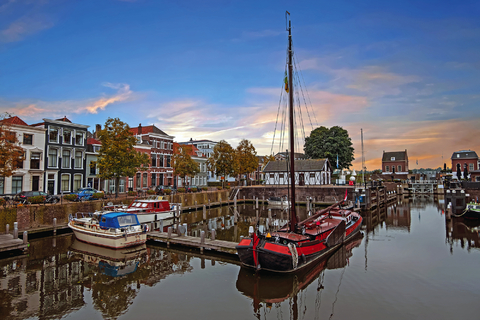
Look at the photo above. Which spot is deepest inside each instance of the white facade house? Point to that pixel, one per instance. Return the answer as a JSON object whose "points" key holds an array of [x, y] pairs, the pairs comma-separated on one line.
{"points": [[200, 179], [29, 177], [307, 172]]}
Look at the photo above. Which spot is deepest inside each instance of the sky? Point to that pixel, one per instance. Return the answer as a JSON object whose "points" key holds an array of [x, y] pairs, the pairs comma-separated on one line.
{"points": [[406, 72]]}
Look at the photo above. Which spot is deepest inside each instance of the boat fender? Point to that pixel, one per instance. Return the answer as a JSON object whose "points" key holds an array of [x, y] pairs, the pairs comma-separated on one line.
{"points": [[294, 253], [304, 258], [146, 228]]}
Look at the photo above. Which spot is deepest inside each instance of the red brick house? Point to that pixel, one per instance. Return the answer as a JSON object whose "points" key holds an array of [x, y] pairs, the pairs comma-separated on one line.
{"points": [[395, 162], [159, 147], [466, 158]]}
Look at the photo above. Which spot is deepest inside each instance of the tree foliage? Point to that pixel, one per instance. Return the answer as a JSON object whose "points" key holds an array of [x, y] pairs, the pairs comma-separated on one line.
{"points": [[327, 143], [183, 164], [11, 153], [246, 157], [117, 156], [267, 159], [222, 161]]}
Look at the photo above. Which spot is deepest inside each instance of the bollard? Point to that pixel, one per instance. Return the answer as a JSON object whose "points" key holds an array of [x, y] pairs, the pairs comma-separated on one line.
{"points": [[7, 229], [55, 226], [204, 213], [152, 226], [169, 232], [270, 213], [25, 237], [256, 203], [161, 225], [15, 230], [202, 240], [186, 229], [213, 234], [235, 201]]}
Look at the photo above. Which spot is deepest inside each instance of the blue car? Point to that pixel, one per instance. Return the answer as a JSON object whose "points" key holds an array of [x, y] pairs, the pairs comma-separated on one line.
{"points": [[85, 193]]}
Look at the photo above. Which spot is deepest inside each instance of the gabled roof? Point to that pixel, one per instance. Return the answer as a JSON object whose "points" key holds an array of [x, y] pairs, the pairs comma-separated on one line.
{"points": [[65, 119], [300, 165], [193, 149], [93, 141], [464, 154], [14, 120], [148, 129], [398, 155]]}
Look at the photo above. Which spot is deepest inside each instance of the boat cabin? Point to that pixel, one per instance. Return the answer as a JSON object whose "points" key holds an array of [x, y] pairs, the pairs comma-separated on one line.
{"points": [[115, 220], [150, 205]]}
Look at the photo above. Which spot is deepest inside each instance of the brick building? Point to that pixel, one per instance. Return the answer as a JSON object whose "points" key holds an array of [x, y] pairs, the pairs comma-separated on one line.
{"points": [[466, 158], [395, 162]]}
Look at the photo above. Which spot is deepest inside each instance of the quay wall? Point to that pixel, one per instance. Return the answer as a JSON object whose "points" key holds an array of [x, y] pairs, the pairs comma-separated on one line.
{"points": [[42, 215], [325, 194]]}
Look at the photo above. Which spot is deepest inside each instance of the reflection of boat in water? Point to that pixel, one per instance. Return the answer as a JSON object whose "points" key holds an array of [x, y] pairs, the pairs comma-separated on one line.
{"points": [[111, 262], [466, 232], [273, 288], [278, 202]]}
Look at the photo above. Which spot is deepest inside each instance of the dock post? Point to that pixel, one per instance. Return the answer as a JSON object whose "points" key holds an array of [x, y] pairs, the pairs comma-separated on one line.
{"points": [[195, 205], [235, 201], [256, 203], [185, 230], [213, 234], [202, 240], [270, 214], [204, 212], [25, 237], [161, 226], [152, 226], [15, 230], [169, 232], [54, 226], [7, 229]]}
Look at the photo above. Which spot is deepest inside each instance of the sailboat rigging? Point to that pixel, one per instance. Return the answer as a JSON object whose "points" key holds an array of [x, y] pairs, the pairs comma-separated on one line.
{"points": [[298, 244]]}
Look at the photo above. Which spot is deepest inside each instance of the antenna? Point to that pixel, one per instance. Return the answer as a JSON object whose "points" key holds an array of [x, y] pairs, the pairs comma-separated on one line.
{"points": [[363, 158]]}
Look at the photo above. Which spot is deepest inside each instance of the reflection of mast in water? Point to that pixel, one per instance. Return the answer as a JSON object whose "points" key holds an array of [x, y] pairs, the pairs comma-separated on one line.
{"points": [[338, 290]]}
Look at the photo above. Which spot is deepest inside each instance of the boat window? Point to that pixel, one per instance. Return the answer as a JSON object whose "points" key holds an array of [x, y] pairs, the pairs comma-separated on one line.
{"points": [[126, 220], [104, 220], [144, 205]]}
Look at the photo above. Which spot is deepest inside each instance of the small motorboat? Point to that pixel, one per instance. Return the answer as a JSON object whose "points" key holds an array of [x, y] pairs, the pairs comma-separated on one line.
{"points": [[113, 230], [472, 211]]}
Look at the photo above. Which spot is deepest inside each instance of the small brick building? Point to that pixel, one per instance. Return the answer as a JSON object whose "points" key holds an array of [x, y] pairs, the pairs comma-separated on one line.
{"points": [[466, 158], [395, 162]]}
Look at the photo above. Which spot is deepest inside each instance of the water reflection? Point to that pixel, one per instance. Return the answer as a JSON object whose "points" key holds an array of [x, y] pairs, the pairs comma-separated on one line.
{"points": [[269, 289], [463, 232]]}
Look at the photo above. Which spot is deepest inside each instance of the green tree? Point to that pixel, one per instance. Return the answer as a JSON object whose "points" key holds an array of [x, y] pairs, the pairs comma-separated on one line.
{"points": [[328, 143], [11, 153], [222, 161], [246, 157], [117, 156], [183, 164]]}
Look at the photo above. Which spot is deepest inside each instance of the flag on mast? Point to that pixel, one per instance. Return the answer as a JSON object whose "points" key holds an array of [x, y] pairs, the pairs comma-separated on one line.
{"points": [[286, 82]]}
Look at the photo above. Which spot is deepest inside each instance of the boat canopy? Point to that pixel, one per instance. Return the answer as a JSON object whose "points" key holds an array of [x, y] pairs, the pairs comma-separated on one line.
{"points": [[118, 220]]}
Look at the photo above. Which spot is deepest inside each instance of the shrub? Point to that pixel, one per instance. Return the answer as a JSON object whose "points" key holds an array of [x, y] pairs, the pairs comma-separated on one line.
{"points": [[70, 197], [181, 190], [167, 191], [2, 202], [205, 188], [132, 193], [214, 183], [228, 187], [36, 199], [150, 191], [194, 189], [219, 188], [98, 195]]}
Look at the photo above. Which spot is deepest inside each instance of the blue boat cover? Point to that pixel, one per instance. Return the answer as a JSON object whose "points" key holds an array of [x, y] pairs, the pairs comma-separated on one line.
{"points": [[118, 220]]}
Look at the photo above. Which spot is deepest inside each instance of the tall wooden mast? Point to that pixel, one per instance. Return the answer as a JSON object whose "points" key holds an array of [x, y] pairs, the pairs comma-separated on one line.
{"points": [[293, 214]]}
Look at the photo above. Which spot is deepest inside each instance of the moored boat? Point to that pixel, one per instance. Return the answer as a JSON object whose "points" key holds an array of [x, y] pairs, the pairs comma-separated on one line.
{"points": [[472, 211], [113, 230]]}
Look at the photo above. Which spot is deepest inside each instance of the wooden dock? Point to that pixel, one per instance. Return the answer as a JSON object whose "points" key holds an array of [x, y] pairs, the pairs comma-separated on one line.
{"points": [[227, 247], [8, 243]]}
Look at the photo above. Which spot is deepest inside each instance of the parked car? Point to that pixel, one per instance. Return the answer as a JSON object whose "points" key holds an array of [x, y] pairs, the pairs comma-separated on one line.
{"points": [[160, 190], [23, 196], [85, 193]]}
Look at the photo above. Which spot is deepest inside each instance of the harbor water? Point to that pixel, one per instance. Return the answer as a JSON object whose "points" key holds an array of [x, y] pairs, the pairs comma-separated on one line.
{"points": [[408, 263]]}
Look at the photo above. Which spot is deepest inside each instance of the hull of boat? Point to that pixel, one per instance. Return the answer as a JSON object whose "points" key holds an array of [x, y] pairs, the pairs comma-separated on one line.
{"points": [[471, 214], [154, 216], [107, 239]]}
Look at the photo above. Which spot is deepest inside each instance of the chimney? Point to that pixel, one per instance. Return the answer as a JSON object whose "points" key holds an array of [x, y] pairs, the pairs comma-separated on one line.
{"points": [[139, 129], [98, 127]]}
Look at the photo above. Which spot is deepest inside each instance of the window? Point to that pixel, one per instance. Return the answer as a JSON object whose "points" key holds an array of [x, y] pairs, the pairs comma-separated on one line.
{"points": [[96, 148], [312, 175], [67, 136], [168, 161], [470, 166], [154, 179], [145, 179], [79, 139], [27, 138], [66, 159], [392, 158], [77, 182], [93, 168], [121, 187], [65, 182], [53, 135], [399, 168], [17, 183], [387, 168], [19, 161], [280, 175], [52, 157], [160, 158], [2, 185], [138, 180], [161, 182], [35, 160], [154, 160], [78, 159]]}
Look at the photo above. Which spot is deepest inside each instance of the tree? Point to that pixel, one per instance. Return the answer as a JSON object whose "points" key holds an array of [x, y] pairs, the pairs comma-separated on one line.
{"points": [[11, 153], [246, 157], [183, 164], [222, 161], [328, 143], [117, 156]]}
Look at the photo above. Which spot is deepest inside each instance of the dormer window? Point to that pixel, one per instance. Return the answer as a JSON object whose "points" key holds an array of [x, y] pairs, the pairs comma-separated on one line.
{"points": [[458, 155], [392, 159]]}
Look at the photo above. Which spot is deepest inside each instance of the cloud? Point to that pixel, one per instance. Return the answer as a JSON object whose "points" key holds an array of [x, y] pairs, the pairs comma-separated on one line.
{"points": [[124, 93], [25, 26]]}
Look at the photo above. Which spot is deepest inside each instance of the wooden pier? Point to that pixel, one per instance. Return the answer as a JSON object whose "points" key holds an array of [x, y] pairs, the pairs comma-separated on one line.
{"points": [[221, 246], [9, 243]]}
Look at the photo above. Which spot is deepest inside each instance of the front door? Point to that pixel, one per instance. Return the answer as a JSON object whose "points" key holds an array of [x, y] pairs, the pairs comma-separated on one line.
{"points": [[301, 181], [51, 187], [35, 183]]}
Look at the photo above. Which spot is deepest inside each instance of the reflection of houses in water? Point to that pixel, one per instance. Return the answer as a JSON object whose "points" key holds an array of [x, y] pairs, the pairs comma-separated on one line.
{"points": [[463, 232], [398, 216]]}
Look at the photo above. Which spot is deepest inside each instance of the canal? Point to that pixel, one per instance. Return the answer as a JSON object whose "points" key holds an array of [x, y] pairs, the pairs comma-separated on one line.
{"points": [[408, 264]]}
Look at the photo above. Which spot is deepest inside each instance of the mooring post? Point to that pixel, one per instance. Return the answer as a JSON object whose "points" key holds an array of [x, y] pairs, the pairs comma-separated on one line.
{"points": [[235, 201], [169, 232], [204, 212], [256, 203], [15, 230], [213, 234], [270, 213], [152, 226], [202, 240], [55, 227], [7, 229], [195, 205], [25, 237], [185, 230], [161, 225]]}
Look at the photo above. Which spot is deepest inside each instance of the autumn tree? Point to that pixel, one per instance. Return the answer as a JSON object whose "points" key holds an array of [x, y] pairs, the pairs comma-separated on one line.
{"points": [[267, 159], [222, 161], [183, 164], [117, 156], [246, 158], [11, 153], [330, 143]]}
